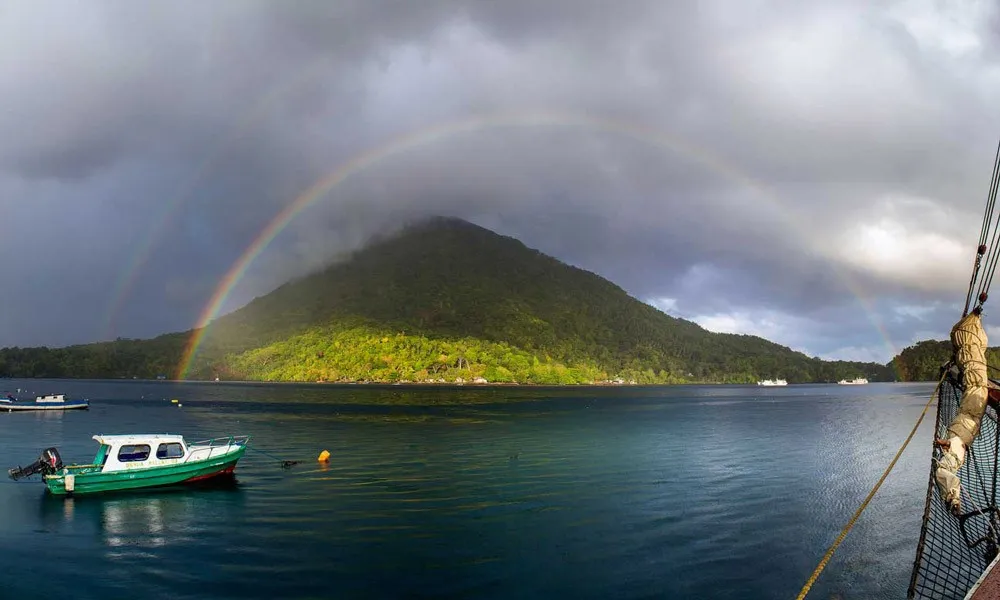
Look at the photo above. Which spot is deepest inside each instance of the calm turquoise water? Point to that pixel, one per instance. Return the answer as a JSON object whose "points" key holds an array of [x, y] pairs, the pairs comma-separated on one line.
{"points": [[684, 492]]}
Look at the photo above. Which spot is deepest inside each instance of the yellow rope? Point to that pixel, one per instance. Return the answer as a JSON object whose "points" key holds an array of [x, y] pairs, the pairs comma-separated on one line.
{"points": [[871, 494]]}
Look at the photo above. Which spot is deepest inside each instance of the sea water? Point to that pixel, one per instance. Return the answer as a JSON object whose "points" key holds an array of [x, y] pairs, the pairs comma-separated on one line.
{"points": [[667, 492]]}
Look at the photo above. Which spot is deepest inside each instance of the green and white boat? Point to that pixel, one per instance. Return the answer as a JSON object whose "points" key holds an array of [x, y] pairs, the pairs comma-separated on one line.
{"points": [[135, 461]]}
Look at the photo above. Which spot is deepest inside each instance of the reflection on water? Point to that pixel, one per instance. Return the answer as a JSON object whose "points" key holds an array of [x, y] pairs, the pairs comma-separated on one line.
{"points": [[68, 505], [45, 415], [130, 525], [140, 524]]}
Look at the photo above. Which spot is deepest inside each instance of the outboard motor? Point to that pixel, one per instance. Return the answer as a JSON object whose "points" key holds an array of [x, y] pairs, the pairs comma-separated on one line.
{"points": [[48, 463]]}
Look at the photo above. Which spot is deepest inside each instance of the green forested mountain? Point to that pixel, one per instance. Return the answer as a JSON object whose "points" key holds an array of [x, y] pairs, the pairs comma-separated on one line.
{"points": [[445, 300]]}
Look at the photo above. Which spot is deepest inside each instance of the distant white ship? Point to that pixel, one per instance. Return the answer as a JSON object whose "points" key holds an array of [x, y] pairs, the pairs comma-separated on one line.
{"points": [[855, 381], [772, 382]]}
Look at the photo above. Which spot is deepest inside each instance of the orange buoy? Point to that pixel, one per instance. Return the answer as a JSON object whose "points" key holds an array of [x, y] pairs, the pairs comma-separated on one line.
{"points": [[324, 456]]}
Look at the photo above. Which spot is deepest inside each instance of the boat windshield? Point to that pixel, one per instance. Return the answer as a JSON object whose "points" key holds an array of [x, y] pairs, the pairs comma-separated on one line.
{"points": [[102, 455]]}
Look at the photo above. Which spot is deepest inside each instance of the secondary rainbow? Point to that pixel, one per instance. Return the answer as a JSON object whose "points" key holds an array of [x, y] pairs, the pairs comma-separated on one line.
{"points": [[447, 130], [170, 210]]}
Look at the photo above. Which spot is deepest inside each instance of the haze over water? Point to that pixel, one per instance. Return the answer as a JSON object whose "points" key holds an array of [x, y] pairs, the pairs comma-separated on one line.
{"points": [[676, 492]]}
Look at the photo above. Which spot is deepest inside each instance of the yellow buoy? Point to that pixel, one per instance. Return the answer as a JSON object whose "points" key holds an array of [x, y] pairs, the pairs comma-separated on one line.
{"points": [[324, 456]]}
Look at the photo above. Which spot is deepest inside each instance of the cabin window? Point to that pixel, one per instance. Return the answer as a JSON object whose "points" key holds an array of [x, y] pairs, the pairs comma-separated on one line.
{"points": [[133, 453], [170, 450]]}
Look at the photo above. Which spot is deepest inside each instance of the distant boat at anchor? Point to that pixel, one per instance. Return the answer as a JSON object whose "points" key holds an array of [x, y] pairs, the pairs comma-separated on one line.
{"points": [[46, 402], [770, 382], [855, 381]]}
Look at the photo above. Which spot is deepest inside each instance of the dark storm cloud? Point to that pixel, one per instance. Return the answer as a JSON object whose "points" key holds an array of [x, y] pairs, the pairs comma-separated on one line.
{"points": [[810, 171]]}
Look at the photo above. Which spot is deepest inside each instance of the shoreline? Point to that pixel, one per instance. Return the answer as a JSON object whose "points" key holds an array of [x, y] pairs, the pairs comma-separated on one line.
{"points": [[446, 385]]}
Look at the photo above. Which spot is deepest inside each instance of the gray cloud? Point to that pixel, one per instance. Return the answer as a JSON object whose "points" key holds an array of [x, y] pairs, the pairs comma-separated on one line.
{"points": [[810, 171]]}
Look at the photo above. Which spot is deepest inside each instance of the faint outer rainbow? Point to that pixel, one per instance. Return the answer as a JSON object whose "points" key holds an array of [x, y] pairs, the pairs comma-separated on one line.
{"points": [[448, 129], [166, 217]]}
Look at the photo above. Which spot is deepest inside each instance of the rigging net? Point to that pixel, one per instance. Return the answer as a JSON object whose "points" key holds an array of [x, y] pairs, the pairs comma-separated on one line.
{"points": [[954, 550], [959, 539]]}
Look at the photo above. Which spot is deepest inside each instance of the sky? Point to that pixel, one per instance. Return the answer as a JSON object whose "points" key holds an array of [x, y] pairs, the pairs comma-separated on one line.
{"points": [[813, 172]]}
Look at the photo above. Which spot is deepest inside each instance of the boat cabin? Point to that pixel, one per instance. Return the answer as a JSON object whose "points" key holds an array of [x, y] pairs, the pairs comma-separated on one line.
{"points": [[51, 398], [122, 452], [147, 451], [46, 399]]}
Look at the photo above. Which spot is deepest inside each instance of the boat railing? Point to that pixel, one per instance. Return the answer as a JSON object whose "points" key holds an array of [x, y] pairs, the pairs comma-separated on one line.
{"points": [[80, 469], [232, 440], [203, 449]]}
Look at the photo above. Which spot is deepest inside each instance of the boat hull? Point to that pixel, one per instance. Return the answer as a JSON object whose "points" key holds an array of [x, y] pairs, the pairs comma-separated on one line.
{"points": [[81, 405], [94, 482]]}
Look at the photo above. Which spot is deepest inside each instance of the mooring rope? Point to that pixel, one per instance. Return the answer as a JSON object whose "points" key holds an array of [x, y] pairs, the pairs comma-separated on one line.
{"points": [[284, 463], [850, 524]]}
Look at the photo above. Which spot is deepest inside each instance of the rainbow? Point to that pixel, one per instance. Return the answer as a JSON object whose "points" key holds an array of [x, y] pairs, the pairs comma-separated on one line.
{"points": [[443, 131]]}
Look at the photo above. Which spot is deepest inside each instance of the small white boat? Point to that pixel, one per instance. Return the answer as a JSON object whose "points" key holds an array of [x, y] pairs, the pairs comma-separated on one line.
{"points": [[855, 381], [770, 382], [46, 402]]}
